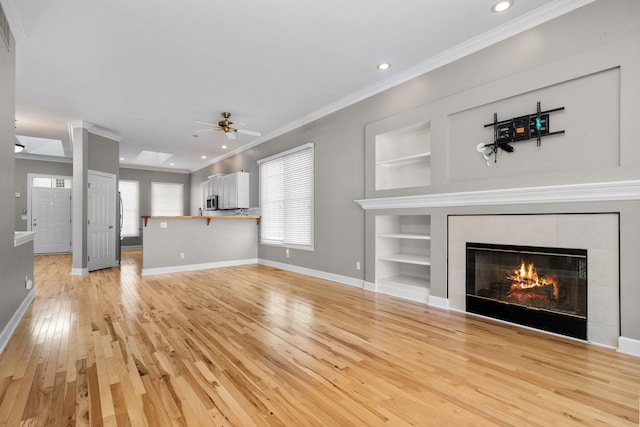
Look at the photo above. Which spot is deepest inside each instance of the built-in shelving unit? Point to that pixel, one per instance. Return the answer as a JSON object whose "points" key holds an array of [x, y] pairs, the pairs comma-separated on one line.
{"points": [[403, 157], [403, 256]]}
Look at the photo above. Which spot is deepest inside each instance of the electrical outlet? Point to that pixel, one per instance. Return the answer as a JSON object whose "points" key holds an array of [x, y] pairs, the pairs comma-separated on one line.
{"points": [[358, 265], [163, 225], [181, 255], [28, 283], [286, 252]]}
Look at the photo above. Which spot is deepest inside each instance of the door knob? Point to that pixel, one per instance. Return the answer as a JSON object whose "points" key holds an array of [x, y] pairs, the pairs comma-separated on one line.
{"points": [[110, 227]]}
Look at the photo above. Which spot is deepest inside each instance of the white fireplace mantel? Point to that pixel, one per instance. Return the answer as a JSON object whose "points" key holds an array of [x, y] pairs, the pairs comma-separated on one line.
{"points": [[590, 192]]}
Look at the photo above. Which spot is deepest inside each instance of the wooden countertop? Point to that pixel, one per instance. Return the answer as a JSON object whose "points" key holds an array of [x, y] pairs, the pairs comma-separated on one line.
{"points": [[207, 217]]}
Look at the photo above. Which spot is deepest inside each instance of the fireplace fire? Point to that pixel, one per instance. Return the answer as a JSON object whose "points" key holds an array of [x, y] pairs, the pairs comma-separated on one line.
{"points": [[545, 288]]}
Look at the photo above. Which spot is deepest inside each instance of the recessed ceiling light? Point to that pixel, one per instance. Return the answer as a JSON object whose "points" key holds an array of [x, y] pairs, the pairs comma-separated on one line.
{"points": [[224, 147], [384, 66], [172, 164], [204, 157], [501, 6], [121, 158]]}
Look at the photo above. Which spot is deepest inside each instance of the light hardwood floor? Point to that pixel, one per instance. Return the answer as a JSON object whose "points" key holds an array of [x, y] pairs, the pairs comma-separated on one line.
{"points": [[254, 345]]}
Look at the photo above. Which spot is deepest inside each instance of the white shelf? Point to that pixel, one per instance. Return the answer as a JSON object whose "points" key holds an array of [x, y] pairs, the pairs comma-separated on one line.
{"points": [[403, 157], [407, 258], [405, 279], [410, 236], [405, 160]]}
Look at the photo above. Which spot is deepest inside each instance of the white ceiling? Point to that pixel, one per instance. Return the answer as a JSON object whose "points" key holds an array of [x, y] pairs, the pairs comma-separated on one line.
{"points": [[147, 70]]}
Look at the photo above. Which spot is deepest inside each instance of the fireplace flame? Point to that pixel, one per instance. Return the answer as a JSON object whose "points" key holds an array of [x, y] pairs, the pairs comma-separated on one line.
{"points": [[526, 277]]}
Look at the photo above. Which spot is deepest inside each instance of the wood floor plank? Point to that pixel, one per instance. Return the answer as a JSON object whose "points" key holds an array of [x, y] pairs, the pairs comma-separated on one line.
{"points": [[257, 346]]}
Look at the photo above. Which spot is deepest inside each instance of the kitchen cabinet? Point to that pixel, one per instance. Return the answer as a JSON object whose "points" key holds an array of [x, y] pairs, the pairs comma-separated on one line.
{"points": [[232, 190]]}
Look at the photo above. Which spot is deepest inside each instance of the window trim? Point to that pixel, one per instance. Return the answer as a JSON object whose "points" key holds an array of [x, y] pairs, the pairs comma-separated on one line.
{"points": [[309, 145]]}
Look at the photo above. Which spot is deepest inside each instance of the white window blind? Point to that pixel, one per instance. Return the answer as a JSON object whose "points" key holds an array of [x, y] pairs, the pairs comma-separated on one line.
{"points": [[167, 199], [286, 198], [130, 196]]}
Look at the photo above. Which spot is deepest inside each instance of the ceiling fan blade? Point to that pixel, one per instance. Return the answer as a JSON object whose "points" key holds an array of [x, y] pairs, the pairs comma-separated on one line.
{"points": [[203, 130], [205, 123], [231, 135], [249, 132]]}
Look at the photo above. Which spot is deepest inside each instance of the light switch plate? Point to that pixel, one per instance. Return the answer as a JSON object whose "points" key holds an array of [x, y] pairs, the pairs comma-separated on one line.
{"points": [[163, 225]]}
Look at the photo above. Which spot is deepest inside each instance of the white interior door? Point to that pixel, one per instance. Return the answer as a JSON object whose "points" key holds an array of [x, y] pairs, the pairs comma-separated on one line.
{"points": [[101, 227], [51, 219]]}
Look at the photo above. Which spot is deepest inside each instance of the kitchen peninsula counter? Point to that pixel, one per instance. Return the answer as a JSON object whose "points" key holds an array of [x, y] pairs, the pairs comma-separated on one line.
{"points": [[183, 243]]}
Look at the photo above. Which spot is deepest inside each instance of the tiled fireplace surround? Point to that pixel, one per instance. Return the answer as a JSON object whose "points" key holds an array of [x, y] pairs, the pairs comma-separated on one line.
{"points": [[597, 233]]}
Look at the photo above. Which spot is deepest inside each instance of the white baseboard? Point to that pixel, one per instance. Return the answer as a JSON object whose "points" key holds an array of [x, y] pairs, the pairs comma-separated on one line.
{"points": [[79, 271], [193, 267], [130, 248], [369, 286], [439, 302], [346, 280], [412, 293], [15, 319], [629, 346]]}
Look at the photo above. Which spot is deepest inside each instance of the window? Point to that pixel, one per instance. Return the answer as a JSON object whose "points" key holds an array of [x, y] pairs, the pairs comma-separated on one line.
{"points": [[130, 200], [50, 182], [286, 198], [167, 199]]}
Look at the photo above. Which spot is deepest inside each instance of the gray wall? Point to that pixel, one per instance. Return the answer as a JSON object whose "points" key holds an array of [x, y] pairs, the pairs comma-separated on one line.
{"points": [[23, 168], [14, 263], [587, 60], [145, 178]]}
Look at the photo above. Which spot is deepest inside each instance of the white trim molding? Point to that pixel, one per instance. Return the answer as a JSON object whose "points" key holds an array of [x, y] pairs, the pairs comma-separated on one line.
{"points": [[345, 280], [629, 346], [91, 128], [439, 302], [79, 271], [8, 330], [194, 267], [589, 192]]}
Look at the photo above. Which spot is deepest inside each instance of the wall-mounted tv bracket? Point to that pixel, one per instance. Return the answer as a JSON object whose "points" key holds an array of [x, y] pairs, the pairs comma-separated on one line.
{"points": [[518, 129]]}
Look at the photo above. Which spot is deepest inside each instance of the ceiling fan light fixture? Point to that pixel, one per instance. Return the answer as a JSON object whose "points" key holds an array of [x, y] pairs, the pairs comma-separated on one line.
{"points": [[501, 6], [19, 148]]}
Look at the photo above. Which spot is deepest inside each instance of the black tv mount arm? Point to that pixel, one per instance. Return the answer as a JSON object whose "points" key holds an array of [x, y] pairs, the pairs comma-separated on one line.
{"points": [[517, 129]]}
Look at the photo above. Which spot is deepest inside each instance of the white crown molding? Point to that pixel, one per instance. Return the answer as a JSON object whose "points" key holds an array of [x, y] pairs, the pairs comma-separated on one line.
{"points": [[590, 192], [41, 158], [153, 168], [91, 128], [532, 19]]}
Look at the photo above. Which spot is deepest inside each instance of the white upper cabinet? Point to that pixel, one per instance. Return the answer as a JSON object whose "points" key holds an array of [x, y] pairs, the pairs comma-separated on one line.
{"points": [[232, 190]]}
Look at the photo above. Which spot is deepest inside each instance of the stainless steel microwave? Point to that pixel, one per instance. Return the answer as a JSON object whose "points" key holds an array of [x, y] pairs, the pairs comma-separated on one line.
{"points": [[212, 203]]}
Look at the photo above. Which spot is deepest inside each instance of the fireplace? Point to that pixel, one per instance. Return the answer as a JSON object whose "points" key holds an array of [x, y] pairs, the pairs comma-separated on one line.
{"points": [[544, 288]]}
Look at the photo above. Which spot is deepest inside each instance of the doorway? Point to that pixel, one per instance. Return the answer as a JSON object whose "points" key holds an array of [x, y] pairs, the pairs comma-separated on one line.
{"points": [[49, 207], [101, 226]]}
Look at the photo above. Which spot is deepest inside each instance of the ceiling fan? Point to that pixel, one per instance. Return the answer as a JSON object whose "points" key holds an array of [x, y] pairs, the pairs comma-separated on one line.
{"points": [[226, 126]]}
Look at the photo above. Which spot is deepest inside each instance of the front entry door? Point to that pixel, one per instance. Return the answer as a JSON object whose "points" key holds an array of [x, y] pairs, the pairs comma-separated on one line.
{"points": [[51, 219], [101, 231]]}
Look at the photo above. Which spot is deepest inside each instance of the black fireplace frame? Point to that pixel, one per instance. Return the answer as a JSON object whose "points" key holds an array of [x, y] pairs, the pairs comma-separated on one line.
{"points": [[560, 323]]}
